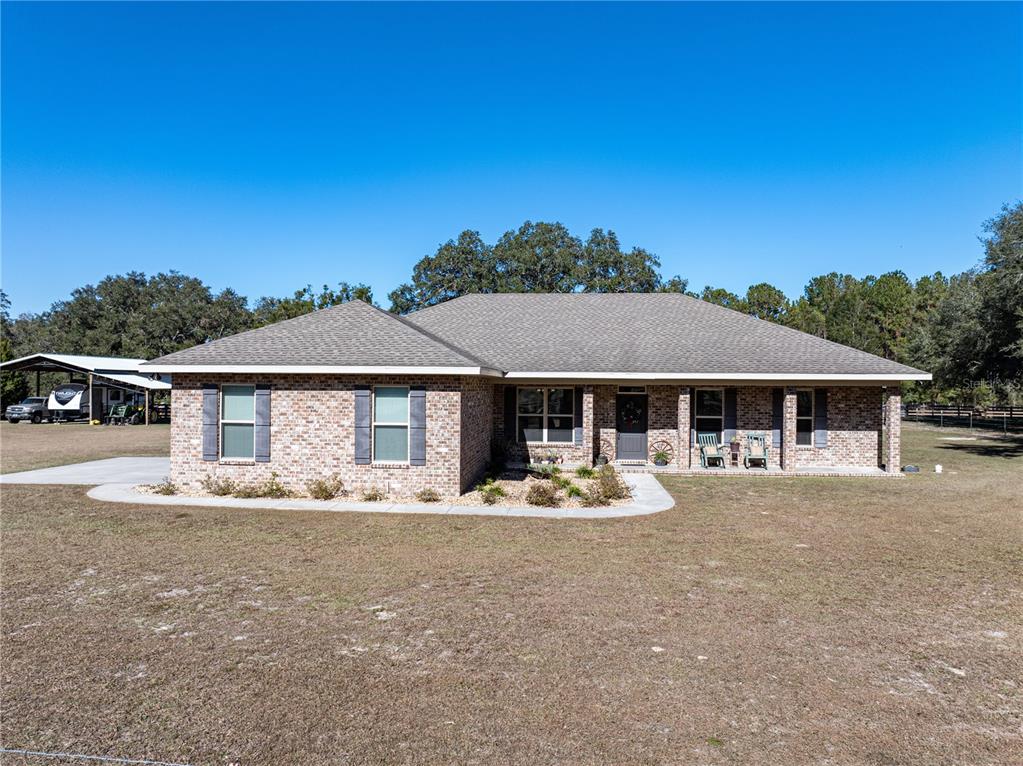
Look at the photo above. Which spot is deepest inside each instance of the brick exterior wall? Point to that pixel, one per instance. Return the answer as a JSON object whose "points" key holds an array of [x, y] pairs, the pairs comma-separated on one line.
{"points": [[312, 430], [854, 420], [312, 434], [892, 448], [605, 428], [477, 407]]}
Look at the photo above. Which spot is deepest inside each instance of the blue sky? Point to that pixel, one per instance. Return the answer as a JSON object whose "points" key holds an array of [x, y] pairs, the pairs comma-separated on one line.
{"points": [[264, 147]]}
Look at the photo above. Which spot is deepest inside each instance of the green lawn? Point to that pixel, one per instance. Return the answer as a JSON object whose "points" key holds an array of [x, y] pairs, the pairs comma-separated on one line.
{"points": [[780, 621]]}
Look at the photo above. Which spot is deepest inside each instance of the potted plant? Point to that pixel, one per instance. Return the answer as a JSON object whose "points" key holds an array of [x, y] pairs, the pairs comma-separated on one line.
{"points": [[601, 460], [550, 458], [735, 443], [660, 458]]}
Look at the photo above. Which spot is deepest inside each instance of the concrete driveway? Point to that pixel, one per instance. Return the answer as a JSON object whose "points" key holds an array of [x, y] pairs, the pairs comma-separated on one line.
{"points": [[115, 470]]}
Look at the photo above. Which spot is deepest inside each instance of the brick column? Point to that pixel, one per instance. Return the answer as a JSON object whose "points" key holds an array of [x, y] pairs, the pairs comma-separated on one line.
{"points": [[685, 454], [893, 430], [788, 430], [588, 438]]}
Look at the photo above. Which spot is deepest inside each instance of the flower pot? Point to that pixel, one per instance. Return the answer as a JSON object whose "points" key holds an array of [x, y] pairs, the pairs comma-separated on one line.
{"points": [[660, 463], [601, 460]]}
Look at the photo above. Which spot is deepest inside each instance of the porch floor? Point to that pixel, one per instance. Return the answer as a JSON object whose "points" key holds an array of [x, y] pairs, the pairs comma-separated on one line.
{"points": [[773, 471]]}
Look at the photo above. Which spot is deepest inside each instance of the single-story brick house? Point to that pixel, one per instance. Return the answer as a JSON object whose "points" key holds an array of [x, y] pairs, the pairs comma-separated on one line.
{"points": [[424, 400]]}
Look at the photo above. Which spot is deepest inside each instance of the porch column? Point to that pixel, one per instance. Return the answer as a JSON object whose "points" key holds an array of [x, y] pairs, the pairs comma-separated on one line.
{"points": [[788, 430], [685, 453], [588, 440], [893, 430], [37, 382]]}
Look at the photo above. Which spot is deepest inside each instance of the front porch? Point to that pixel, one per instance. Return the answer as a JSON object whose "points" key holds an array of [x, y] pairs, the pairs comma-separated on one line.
{"points": [[834, 430]]}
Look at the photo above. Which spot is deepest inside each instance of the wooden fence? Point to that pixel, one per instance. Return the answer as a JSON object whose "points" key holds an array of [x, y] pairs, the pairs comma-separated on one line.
{"points": [[1001, 417]]}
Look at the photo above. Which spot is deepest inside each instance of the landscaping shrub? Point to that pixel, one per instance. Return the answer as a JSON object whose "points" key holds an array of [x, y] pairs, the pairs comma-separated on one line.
{"points": [[165, 487], [610, 484], [573, 490], [585, 472], [490, 491], [217, 486], [543, 494], [373, 494], [272, 488], [561, 482], [592, 498], [428, 495], [325, 489]]}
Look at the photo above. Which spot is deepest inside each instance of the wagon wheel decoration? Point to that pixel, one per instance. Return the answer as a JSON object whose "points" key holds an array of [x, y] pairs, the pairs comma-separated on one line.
{"points": [[662, 446], [607, 447]]}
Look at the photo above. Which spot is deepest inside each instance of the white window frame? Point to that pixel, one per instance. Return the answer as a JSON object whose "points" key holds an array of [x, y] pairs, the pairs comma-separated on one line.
{"points": [[544, 414], [697, 416], [812, 417], [407, 424], [237, 422]]}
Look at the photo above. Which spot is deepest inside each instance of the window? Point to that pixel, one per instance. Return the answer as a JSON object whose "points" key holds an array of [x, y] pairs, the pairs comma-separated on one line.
{"points": [[710, 411], [632, 389], [390, 424], [545, 415], [237, 420], [804, 417]]}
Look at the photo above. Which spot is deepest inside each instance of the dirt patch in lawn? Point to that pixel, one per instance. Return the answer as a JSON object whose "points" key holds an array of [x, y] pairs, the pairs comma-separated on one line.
{"points": [[26, 446], [792, 621]]}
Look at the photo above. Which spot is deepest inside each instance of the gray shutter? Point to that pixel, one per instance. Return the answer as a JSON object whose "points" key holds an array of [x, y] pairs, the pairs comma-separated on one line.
{"points": [[692, 417], [363, 448], [578, 420], [510, 410], [777, 415], [261, 430], [731, 418], [820, 417], [210, 404], [417, 425]]}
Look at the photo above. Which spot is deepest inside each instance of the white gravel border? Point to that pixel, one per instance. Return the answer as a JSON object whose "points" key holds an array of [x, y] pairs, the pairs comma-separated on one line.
{"points": [[648, 496]]}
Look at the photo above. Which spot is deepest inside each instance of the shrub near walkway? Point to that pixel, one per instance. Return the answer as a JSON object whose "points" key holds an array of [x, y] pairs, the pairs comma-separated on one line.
{"points": [[782, 621]]}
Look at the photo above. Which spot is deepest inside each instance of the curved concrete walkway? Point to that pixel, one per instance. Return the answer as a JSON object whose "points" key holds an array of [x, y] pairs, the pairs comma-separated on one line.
{"points": [[648, 496], [134, 470]]}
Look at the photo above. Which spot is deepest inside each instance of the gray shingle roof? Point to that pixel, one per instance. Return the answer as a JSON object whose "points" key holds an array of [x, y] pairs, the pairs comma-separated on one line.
{"points": [[631, 333], [352, 334], [635, 333]]}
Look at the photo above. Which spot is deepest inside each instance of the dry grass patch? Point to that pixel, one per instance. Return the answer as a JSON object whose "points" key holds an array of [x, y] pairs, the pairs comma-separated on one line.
{"points": [[778, 621], [24, 446]]}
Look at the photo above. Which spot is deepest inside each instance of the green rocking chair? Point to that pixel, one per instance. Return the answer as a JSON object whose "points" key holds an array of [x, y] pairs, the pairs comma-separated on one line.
{"points": [[756, 450], [710, 451]]}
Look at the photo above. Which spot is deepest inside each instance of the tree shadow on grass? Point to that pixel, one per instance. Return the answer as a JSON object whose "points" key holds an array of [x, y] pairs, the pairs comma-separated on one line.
{"points": [[1005, 447]]}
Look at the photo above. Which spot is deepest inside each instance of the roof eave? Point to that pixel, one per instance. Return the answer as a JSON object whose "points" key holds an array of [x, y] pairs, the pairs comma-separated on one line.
{"points": [[726, 376], [315, 369]]}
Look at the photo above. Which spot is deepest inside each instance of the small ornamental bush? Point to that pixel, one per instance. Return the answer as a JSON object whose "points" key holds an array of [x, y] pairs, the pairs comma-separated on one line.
{"points": [[490, 491], [573, 490], [248, 490], [165, 487], [585, 472], [272, 487], [543, 494], [428, 495], [218, 487], [373, 494], [611, 485], [561, 482], [325, 489], [592, 498]]}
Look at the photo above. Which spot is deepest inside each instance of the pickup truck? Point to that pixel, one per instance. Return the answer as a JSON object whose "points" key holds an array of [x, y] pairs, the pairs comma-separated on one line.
{"points": [[33, 408]]}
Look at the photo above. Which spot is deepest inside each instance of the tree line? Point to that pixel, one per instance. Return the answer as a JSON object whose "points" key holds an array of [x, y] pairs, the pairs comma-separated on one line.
{"points": [[966, 328]]}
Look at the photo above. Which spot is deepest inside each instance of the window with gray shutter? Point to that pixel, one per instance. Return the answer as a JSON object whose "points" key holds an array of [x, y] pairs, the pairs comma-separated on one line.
{"points": [[261, 426], [820, 417], [578, 422], [363, 421], [210, 422], [417, 425]]}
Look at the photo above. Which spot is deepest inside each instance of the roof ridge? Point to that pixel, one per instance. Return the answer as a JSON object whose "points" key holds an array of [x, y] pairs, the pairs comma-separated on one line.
{"points": [[435, 338]]}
